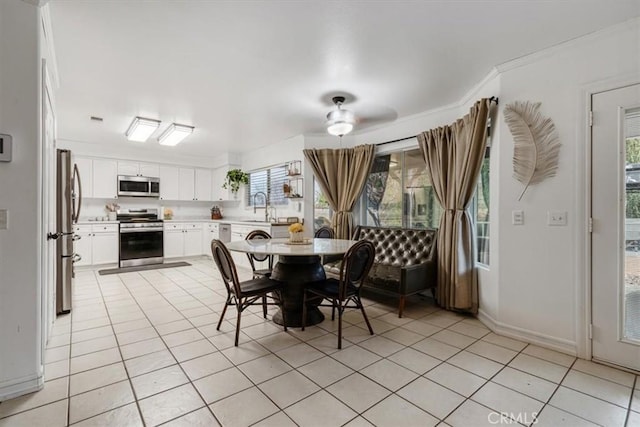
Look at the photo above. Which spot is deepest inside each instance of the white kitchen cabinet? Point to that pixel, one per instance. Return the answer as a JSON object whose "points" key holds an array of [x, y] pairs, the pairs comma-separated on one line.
{"points": [[173, 240], [182, 239], [219, 175], [85, 169], [98, 244], [193, 239], [210, 231], [169, 183], [82, 246], [149, 169], [104, 244], [186, 182], [105, 179], [128, 168], [138, 169], [203, 183]]}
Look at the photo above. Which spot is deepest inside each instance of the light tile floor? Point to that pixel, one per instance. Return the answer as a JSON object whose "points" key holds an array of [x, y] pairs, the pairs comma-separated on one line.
{"points": [[142, 349]]}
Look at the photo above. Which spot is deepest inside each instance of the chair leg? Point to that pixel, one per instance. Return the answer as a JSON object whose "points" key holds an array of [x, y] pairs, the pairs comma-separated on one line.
{"points": [[366, 318], [304, 309], [401, 306], [238, 323], [224, 310], [264, 307], [340, 311], [333, 312], [284, 319]]}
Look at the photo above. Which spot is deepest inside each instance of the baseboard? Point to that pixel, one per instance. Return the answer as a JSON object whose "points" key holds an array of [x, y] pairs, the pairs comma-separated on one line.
{"points": [[542, 340], [19, 386]]}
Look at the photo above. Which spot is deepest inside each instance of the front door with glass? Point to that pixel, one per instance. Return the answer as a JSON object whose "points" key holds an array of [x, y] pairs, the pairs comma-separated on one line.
{"points": [[616, 226]]}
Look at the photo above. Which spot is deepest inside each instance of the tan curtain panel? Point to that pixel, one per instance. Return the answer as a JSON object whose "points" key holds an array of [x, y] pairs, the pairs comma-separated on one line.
{"points": [[454, 157], [342, 174]]}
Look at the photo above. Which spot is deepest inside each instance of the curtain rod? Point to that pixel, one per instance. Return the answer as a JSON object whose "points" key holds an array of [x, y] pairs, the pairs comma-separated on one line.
{"points": [[492, 99]]}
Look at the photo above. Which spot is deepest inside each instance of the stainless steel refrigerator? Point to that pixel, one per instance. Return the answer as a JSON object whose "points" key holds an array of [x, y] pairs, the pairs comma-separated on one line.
{"points": [[68, 203]]}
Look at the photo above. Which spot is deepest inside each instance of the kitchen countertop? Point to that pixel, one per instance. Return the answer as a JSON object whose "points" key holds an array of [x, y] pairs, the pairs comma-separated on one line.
{"points": [[219, 221], [229, 221]]}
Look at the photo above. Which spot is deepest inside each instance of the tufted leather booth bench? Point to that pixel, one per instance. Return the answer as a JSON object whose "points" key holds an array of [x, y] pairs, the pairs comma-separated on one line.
{"points": [[405, 261]]}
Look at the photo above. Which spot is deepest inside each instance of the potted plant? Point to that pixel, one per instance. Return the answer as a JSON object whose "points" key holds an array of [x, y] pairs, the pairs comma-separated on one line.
{"points": [[235, 178]]}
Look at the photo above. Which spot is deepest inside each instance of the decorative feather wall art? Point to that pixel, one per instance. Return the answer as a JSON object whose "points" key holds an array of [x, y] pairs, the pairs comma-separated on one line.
{"points": [[536, 143]]}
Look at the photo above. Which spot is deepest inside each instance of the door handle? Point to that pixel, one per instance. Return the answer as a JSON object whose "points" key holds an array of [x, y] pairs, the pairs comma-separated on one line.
{"points": [[53, 236]]}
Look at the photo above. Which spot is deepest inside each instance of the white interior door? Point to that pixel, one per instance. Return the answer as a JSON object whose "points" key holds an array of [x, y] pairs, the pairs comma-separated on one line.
{"points": [[616, 226], [48, 206]]}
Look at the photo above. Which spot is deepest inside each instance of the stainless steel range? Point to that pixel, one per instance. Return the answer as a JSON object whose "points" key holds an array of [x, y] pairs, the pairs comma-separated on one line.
{"points": [[141, 237]]}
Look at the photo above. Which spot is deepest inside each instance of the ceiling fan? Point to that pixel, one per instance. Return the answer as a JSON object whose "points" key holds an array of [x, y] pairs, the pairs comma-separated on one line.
{"points": [[341, 121]]}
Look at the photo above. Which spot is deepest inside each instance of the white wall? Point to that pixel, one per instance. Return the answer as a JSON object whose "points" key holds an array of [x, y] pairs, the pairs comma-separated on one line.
{"points": [[20, 355], [542, 278], [272, 155]]}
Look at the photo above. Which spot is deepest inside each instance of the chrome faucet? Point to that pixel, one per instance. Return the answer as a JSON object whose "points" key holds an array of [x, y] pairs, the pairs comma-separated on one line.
{"points": [[265, 207]]}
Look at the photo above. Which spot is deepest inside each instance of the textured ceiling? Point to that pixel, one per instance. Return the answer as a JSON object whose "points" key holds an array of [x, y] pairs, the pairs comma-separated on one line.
{"points": [[250, 73]]}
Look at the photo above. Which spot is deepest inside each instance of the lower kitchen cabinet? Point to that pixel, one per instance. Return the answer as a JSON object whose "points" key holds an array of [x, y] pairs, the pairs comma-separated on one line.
{"points": [[182, 239], [210, 231], [98, 244]]}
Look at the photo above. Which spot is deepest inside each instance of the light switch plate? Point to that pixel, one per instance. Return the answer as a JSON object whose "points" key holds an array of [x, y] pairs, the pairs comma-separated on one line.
{"points": [[5, 147], [556, 218], [517, 217], [4, 219]]}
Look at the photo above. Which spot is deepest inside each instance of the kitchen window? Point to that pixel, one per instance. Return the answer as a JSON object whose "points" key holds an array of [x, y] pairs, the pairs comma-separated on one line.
{"points": [[270, 181]]}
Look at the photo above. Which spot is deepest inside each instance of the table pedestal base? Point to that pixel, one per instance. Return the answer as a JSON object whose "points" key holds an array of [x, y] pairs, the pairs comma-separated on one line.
{"points": [[296, 272]]}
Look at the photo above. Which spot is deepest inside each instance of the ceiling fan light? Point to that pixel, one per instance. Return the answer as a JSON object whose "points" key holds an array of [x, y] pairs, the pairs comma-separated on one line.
{"points": [[141, 129], [340, 128], [174, 134]]}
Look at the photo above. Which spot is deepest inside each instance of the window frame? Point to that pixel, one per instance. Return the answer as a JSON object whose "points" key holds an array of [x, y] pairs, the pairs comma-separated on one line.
{"points": [[274, 197]]}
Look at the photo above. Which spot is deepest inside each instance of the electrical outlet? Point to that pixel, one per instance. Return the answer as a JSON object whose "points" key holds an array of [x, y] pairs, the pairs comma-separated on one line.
{"points": [[4, 219], [517, 217], [556, 218]]}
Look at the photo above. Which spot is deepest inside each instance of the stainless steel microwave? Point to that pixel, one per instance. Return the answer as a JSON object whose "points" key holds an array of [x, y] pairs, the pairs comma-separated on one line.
{"points": [[138, 186]]}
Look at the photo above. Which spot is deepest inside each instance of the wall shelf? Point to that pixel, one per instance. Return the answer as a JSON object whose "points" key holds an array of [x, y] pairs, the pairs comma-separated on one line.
{"points": [[294, 168], [293, 188]]}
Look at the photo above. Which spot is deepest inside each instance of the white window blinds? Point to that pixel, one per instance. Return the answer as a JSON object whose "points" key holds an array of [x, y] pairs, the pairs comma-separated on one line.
{"points": [[270, 182]]}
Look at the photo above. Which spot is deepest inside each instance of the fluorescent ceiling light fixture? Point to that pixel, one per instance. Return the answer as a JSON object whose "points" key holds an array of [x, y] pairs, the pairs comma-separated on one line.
{"points": [[174, 134], [141, 129], [340, 122]]}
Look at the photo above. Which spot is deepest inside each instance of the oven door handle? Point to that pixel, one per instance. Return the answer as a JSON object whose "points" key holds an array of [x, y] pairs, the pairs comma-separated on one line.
{"points": [[140, 230]]}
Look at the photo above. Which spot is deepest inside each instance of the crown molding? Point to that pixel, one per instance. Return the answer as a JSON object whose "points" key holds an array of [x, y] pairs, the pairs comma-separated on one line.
{"points": [[38, 3]]}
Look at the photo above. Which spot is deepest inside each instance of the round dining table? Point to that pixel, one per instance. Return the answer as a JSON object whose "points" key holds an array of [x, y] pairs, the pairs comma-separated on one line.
{"points": [[297, 265]]}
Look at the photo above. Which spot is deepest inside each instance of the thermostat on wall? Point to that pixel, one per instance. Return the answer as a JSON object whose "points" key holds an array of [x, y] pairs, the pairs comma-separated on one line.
{"points": [[5, 148]]}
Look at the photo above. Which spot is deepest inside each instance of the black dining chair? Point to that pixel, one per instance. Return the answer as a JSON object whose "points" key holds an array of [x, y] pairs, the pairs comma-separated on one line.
{"points": [[254, 258], [247, 293], [324, 233], [356, 265]]}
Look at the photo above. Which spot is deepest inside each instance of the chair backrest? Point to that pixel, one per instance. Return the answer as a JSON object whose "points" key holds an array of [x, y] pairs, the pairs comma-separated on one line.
{"points": [[324, 233], [356, 264], [226, 266], [399, 247], [259, 234]]}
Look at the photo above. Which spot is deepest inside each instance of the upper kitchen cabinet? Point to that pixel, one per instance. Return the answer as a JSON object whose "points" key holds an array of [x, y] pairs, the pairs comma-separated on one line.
{"points": [[138, 169], [98, 177], [169, 183], [186, 184], [85, 169], [219, 176], [105, 179], [203, 185]]}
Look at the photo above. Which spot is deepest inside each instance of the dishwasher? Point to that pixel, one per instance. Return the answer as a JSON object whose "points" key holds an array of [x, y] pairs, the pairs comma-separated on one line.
{"points": [[224, 231]]}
